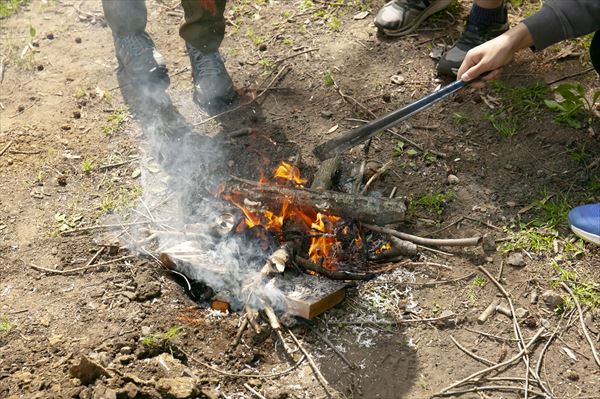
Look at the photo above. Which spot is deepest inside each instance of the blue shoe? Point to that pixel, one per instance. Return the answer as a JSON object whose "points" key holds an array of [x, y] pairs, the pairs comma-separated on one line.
{"points": [[585, 222]]}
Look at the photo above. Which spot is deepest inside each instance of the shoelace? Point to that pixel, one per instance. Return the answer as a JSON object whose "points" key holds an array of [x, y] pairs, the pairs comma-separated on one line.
{"points": [[208, 64]]}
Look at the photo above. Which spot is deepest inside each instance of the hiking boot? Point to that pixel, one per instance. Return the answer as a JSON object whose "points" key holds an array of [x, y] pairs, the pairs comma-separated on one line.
{"points": [[139, 62], [401, 17], [213, 88], [585, 222], [472, 37]]}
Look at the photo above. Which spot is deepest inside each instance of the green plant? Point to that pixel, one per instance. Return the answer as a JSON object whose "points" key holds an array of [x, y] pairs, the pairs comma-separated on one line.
{"points": [[586, 292], [114, 122], [65, 222], [459, 117], [399, 150], [256, 39], [479, 281], [163, 338], [9, 7], [87, 166], [335, 23], [328, 79], [121, 202], [5, 325], [433, 203], [551, 211], [531, 239], [506, 125], [575, 106]]}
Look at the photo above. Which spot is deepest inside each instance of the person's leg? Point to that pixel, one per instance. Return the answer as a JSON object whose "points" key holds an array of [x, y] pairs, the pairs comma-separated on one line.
{"points": [[401, 17], [487, 19], [139, 62], [203, 33], [595, 51]]}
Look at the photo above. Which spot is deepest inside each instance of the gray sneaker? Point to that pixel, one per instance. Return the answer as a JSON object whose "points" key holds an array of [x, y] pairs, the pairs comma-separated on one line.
{"points": [[213, 88], [401, 17], [139, 62], [473, 36]]}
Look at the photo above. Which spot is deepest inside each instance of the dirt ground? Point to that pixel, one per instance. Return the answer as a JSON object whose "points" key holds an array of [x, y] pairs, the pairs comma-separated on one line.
{"points": [[76, 157]]}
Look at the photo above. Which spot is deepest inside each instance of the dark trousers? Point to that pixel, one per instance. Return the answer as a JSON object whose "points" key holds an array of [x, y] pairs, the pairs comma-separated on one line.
{"points": [[204, 25]]}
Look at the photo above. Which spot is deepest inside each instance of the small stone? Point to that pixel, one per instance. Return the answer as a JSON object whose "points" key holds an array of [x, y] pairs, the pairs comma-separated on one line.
{"points": [[54, 251], [551, 299], [262, 47], [231, 163], [50, 36], [40, 67], [55, 339], [511, 204], [61, 180], [179, 388], [489, 259], [572, 375], [130, 390], [78, 40], [521, 313], [65, 127], [76, 114], [326, 114], [516, 259], [20, 108], [397, 79], [9, 161], [146, 330], [88, 371], [453, 179], [126, 350]]}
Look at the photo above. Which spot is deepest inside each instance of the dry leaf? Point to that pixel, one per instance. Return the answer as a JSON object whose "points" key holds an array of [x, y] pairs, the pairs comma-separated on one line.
{"points": [[333, 129], [361, 15]]}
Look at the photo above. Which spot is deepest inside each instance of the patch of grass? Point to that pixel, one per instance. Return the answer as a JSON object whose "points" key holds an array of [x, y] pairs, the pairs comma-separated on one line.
{"points": [[433, 203], [9, 7], [121, 202], [399, 150], [536, 240], [335, 24], [474, 288], [257, 40], [328, 79], [479, 281], [551, 211], [586, 292], [5, 325], [459, 118], [519, 104], [114, 122], [575, 108], [87, 166], [163, 338]]}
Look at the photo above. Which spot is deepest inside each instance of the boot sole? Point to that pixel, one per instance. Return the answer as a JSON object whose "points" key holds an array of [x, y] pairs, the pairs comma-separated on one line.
{"points": [[593, 238], [439, 6]]}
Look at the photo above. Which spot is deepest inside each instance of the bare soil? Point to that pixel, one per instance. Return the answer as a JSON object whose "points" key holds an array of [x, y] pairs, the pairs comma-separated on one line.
{"points": [[58, 103]]}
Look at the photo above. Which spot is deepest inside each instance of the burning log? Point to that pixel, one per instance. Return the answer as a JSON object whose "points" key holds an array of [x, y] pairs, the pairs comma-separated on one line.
{"points": [[398, 248], [332, 274], [323, 179], [378, 211]]}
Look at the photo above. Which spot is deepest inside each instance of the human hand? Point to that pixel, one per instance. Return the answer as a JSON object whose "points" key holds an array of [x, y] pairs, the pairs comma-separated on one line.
{"points": [[492, 55]]}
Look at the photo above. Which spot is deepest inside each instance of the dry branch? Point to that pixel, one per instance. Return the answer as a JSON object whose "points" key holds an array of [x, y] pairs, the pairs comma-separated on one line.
{"points": [[361, 208], [306, 264], [79, 269], [312, 364], [323, 178], [432, 242]]}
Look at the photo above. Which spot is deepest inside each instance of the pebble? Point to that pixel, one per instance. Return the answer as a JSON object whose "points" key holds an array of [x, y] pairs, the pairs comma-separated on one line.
{"points": [[326, 114], [489, 259], [521, 313], [50, 36], [146, 330], [551, 299], [20, 108], [398, 79], [262, 47], [40, 67], [78, 40], [453, 179], [516, 259]]}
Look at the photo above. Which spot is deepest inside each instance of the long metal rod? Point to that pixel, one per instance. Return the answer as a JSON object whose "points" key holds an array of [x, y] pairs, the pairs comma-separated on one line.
{"points": [[354, 137]]}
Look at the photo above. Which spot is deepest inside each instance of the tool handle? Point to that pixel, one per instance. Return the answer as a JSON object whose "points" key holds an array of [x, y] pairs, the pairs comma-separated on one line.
{"points": [[356, 136]]}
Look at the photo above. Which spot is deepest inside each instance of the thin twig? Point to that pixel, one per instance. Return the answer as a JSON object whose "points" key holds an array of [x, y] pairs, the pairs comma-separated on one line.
{"points": [[497, 366], [229, 374], [583, 326], [275, 79], [6, 147], [474, 356], [432, 242], [78, 269], [438, 282], [312, 364], [109, 226], [376, 175], [491, 388], [486, 334], [310, 50], [253, 391], [332, 346], [114, 165], [572, 75], [395, 322]]}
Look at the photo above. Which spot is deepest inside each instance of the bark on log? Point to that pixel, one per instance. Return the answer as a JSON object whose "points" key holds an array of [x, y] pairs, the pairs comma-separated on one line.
{"points": [[377, 211], [399, 247], [323, 179]]}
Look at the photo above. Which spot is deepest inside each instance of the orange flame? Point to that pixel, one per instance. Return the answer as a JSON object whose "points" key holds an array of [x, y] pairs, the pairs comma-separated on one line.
{"points": [[385, 247], [322, 247], [287, 171]]}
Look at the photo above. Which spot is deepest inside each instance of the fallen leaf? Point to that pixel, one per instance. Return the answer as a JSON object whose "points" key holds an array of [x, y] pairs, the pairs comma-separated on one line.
{"points": [[361, 15], [333, 129], [569, 353]]}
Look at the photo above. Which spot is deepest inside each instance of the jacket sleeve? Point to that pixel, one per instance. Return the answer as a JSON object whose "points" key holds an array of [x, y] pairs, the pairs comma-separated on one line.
{"points": [[558, 20]]}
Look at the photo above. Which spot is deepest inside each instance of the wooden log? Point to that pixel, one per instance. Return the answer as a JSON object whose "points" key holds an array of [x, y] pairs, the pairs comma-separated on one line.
{"points": [[377, 211], [306, 264], [323, 179], [399, 248]]}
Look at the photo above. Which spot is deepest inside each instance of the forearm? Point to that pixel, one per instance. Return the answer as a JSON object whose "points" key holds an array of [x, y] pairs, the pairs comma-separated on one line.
{"points": [[518, 38]]}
